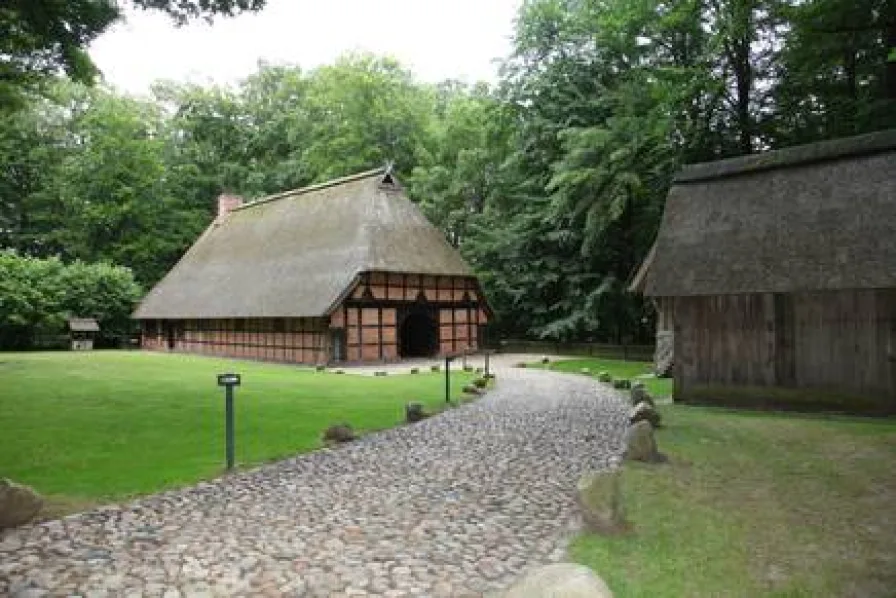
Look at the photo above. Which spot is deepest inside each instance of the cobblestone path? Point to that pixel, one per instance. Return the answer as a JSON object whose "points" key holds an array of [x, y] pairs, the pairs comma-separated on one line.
{"points": [[457, 505]]}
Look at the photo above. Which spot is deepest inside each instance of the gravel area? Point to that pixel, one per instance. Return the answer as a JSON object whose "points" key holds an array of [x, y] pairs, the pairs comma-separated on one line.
{"points": [[457, 505]]}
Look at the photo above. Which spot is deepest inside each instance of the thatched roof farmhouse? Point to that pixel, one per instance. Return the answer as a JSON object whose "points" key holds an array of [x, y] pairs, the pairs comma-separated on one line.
{"points": [[348, 270], [776, 276]]}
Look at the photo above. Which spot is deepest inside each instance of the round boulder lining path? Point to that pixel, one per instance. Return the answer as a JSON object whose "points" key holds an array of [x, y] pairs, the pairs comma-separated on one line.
{"points": [[457, 505]]}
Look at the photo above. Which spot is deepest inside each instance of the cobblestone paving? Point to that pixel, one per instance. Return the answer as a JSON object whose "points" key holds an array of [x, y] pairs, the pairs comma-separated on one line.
{"points": [[457, 505]]}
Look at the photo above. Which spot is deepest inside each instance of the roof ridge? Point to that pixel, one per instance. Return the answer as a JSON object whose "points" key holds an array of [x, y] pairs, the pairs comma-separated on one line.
{"points": [[315, 187], [808, 153]]}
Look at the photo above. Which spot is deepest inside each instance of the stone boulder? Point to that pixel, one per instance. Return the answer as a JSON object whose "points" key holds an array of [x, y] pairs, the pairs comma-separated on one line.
{"points": [[640, 444], [18, 504], [413, 412], [639, 394], [644, 411], [560, 580], [339, 433], [599, 495], [622, 384]]}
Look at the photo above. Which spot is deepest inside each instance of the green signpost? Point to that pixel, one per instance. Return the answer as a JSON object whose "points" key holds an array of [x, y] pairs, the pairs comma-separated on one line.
{"points": [[228, 381]]}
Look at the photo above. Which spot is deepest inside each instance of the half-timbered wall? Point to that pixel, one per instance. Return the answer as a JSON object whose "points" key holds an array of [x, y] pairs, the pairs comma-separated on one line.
{"points": [[832, 341], [290, 340], [373, 313]]}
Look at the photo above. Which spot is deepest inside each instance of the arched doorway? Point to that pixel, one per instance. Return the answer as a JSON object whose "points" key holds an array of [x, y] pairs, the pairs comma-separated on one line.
{"points": [[418, 335]]}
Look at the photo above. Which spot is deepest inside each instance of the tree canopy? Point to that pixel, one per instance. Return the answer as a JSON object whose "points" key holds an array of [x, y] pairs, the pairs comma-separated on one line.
{"points": [[42, 38], [551, 182]]}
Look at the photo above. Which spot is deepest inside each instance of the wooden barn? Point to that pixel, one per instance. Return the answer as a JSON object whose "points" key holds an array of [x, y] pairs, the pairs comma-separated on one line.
{"points": [[345, 271], [775, 275]]}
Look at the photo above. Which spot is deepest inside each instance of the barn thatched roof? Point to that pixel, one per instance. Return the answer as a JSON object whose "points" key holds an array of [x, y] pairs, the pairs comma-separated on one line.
{"points": [[815, 217], [293, 254]]}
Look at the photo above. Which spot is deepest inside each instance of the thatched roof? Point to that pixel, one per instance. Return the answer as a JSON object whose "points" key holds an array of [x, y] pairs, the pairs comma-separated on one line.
{"points": [[83, 325], [293, 254], [815, 217]]}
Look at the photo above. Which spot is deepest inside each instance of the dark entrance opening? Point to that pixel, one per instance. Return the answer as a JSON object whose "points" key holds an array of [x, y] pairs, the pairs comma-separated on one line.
{"points": [[419, 335], [169, 333]]}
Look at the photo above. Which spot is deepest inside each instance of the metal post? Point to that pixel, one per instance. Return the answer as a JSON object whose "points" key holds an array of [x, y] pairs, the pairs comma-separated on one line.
{"points": [[228, 381], [486, 363], [447, 379], [228, 390]]}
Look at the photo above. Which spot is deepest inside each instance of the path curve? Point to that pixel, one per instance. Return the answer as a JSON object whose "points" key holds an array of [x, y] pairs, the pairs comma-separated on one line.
{"points": [[457, 505]]}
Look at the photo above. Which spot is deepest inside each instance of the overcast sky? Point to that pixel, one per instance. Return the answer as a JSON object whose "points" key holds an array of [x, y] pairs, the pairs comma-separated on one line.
{"points": [[436, 39]]}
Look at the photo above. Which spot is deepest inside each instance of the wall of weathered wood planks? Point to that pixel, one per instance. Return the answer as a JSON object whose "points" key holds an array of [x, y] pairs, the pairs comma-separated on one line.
{"points": [[831, 341]]}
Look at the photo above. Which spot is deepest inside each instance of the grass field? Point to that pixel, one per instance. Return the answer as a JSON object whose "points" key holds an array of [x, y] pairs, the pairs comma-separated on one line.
{"points": [[658, 387], [96, 426], [757, 505]]}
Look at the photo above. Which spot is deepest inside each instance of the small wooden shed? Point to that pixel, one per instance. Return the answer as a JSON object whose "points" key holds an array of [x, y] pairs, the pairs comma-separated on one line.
{"points": [[82, 332], [776, 274]]}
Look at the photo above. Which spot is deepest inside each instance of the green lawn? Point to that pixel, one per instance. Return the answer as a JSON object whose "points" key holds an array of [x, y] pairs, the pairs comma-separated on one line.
{"points": [[658, 387], [757, 504], [105, 425]]}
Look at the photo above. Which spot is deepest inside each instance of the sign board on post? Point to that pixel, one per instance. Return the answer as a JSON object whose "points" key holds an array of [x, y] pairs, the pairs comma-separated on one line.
{"points": [[228, 381]]}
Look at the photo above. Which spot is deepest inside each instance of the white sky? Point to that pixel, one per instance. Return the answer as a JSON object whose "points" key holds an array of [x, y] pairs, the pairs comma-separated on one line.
{"points": [[436, 39]]}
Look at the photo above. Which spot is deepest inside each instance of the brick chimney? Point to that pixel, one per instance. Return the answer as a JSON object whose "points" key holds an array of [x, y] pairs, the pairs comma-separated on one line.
{"points": [[226, 203]]}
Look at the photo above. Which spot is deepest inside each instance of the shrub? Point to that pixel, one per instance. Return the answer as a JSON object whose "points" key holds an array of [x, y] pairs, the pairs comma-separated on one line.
{"points": [[521, 364], [436, 368], [605, 377], [320, 367], [545, 360], [480, 382], [381, 373], [622, 384], [339, 372], [415, 370]]}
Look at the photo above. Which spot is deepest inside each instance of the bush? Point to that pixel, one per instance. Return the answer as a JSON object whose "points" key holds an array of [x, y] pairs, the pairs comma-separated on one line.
{"points": [[622, 384], [521, 364], [436, 368], [38, 295], [380, 373], [605, 377], [545, 360], [415, 370], [480, 382], [320, 367]]}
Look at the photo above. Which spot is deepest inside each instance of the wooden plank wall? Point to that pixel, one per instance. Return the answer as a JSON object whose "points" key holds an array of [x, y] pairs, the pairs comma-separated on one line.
{"points": [[831, 340]]}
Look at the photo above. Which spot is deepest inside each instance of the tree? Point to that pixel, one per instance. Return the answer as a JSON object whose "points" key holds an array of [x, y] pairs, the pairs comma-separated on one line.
{"points": [[43, 38], [37, 295]]}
